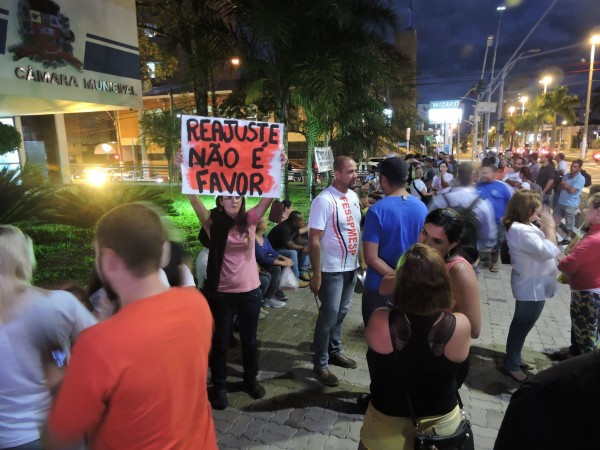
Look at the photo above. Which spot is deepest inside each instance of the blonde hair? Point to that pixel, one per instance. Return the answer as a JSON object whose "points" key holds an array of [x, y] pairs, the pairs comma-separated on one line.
{"points": [[16, 266]]}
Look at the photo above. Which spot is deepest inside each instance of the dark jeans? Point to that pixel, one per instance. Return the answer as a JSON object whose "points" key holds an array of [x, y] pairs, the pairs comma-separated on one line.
{"points": [[223, 306], [275, 273], [33, 445], [526, 314], [265, 281], [371, 300]]}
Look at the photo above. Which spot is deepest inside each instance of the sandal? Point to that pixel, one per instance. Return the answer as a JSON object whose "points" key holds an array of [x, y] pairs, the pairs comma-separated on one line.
{"points": [[526, 366], [518, 376], [494, 269]]}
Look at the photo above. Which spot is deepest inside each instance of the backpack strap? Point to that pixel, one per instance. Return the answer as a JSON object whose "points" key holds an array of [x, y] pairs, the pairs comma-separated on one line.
{"points": [[472, 205], [413, 185]]}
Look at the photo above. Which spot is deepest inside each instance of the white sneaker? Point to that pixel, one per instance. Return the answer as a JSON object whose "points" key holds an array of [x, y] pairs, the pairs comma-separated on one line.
{"points": [[273, 303]]}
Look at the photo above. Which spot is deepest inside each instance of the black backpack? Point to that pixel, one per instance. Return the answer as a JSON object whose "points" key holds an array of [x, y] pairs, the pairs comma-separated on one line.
{"points": [[588, 178], [470, 233]]}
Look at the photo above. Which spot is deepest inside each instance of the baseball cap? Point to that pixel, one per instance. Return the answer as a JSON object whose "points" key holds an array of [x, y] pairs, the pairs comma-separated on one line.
{"points": [[394, 169]]}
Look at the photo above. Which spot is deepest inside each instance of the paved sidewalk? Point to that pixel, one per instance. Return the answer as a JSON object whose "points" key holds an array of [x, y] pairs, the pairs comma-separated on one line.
{"points": [[298, 412]]}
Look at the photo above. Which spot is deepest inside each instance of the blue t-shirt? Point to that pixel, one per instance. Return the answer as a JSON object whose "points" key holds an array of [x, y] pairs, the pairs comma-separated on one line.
{"points": [[394, 223], [265, 254], [498, 193], [566, 199]]}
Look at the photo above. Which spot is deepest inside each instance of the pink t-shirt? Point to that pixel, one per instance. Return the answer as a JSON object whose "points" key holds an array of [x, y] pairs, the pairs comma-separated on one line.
{"points": [[239, 272]]}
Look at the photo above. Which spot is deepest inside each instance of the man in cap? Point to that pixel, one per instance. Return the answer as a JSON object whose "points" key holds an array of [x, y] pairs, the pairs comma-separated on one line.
{"points": [[392, 225]]}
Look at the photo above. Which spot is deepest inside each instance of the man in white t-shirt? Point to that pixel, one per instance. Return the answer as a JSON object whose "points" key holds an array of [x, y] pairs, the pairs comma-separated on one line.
{"points": [[334, 241], [513, 179]]}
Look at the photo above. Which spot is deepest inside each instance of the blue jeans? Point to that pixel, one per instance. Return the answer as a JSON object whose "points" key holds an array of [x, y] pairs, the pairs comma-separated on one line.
{"points": [[336, 296], [223, 306], [299, 258], [33, 445], [526, 314], [371, 300]]}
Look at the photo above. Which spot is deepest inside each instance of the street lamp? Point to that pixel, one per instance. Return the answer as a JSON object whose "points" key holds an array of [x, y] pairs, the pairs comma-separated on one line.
{"points": [[490, 41], [546, 81], [594, 40], [500, 10], [524, 100], [511, 110]]}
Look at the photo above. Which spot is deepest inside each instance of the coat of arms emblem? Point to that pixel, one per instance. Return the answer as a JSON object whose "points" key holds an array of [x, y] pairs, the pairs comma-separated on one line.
{"points": [[46, 34]]}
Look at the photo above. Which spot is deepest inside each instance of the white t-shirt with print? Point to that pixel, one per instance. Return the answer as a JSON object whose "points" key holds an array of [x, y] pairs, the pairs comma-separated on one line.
{"points": [[337, 214]]}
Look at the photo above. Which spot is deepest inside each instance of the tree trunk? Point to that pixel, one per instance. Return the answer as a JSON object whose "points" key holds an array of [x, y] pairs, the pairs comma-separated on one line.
{"points": [[554, 133], [283, 117]]}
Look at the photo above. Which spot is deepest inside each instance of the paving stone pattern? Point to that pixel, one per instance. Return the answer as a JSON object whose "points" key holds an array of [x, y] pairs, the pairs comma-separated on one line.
{"points": [[298, 412]]}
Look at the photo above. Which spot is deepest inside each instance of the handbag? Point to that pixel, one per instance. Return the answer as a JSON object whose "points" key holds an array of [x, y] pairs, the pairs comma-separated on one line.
{"points": [[461, 439]]}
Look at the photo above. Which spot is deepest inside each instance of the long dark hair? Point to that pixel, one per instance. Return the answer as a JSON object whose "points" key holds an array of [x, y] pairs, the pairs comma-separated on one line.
{"points": [[240, 222], [450, 220], [453, 224]]}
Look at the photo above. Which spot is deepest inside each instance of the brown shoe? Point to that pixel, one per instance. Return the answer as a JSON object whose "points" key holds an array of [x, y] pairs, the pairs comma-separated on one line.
{"points": [[326, 376], [339, 359], [302, 284], [305, 277]]}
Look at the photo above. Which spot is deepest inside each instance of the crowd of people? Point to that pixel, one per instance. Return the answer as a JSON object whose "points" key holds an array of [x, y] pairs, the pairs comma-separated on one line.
{"points": [[147, 339]]}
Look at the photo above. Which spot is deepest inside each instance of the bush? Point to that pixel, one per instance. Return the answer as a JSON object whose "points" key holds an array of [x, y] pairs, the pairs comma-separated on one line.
{"points": [[21, 197], [82, 206], [10, 139]]}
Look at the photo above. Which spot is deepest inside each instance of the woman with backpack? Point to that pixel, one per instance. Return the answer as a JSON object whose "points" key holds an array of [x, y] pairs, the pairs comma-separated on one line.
{"points": [[418, 187]]}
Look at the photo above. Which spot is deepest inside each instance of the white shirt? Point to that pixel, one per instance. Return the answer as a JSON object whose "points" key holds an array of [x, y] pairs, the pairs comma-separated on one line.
{"points": [[563, 166], [525, 185], [419, 185], [46, 319], [534, 270], [337, 214], [437, 182]]}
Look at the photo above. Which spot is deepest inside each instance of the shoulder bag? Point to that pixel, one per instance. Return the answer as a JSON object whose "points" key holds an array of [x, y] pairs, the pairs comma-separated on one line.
{"points": [[461, 439]]}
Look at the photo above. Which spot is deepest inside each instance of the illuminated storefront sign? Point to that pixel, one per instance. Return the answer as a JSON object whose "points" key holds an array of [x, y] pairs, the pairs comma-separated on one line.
{"points": [[445, 111]]}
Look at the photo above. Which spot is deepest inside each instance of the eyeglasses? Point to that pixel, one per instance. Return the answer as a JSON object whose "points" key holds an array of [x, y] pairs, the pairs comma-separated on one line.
{"points": [[236, 198]]}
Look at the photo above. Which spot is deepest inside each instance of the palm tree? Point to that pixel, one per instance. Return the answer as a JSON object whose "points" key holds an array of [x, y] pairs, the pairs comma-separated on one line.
{"points": [[202, 29], [524, 123], [309, 54], [558, 102]]}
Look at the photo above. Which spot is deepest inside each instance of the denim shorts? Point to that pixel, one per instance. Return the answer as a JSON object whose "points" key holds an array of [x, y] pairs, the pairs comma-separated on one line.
{"points": [[569, 213]]}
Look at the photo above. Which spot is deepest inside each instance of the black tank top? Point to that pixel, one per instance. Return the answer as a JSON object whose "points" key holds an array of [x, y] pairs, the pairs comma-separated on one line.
{"points": [[430, 379]]}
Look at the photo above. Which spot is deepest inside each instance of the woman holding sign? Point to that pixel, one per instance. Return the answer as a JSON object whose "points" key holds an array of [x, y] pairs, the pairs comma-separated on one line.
{"points": [[232, 285]]}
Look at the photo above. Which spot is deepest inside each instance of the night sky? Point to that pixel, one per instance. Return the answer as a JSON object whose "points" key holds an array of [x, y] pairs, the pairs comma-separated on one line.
{"points": [[452, 37]]}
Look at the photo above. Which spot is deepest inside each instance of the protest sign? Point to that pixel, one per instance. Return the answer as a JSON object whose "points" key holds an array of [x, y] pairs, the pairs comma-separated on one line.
{"points": [[231, 157], [324, 159]]}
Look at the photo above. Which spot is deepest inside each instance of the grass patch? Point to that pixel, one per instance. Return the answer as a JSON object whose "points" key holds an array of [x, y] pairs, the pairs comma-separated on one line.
{"points": [[66, 253]]}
